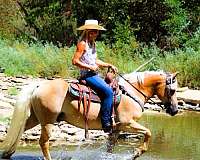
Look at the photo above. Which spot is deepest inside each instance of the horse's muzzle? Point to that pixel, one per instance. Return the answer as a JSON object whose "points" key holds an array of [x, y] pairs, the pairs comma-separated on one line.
{"points": [[171, 110]]}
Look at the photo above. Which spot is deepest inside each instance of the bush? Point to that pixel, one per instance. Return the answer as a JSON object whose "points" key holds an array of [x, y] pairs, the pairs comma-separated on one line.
{"points": [[20, 58], [47, 60], [187, 63]]}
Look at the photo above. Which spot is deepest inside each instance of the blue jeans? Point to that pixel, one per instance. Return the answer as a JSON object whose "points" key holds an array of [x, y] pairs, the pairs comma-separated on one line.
{"points": [[105, 93]]}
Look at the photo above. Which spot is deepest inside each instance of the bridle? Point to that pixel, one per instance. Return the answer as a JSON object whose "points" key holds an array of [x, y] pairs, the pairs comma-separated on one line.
{"points": [[169, 91], [170, 87], [170, 80]]}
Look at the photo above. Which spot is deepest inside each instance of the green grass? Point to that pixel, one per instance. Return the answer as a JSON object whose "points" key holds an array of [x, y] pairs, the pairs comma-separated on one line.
{"points": [[5, 120], [13, 91], [19, 58], [47, 60], [187, 63]]}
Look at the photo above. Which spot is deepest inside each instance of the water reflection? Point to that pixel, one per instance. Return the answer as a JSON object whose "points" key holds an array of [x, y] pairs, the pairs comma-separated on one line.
{"points": [[26, 157], [173, 138]]}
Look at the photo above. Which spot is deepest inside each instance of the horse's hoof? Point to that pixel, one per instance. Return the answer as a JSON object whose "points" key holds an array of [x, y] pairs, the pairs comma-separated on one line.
{"points": [[136, 153], [6, 155], [110, 148]]}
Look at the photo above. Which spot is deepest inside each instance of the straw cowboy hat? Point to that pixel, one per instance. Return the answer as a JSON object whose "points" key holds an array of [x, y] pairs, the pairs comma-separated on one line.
{"points": [[91, 24]]}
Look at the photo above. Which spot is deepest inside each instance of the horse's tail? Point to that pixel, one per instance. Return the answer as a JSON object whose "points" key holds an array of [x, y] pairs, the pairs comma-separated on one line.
{"points": [[20, 115]]}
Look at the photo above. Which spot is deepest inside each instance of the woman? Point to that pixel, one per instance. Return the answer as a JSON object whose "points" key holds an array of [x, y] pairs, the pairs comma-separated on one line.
{"points": [[85, 57]]}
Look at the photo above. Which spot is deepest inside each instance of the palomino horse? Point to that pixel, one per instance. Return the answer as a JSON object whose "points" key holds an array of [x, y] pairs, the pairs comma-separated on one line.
{"points": [[45, 102]]}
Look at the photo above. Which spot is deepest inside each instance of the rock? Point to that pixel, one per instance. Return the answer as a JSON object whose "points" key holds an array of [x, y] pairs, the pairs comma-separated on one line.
{"points": [[3, 128], [4, 87], [10, 100], [72, 131], [6, 109], [182, 89], [2, 136], [2, 70], [152, 107], [192, 96], [5, 105]]}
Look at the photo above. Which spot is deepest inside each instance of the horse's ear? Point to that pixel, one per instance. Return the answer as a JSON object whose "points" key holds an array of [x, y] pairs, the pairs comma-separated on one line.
{"points": [[175, 74]]}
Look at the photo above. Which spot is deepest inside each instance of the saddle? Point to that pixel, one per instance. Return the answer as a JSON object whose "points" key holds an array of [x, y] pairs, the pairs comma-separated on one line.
{"points": [[79, 89], [85, 95]]}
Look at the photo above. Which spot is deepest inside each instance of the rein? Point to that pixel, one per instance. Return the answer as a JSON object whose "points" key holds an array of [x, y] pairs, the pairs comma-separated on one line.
{"points": [[145, 96]]}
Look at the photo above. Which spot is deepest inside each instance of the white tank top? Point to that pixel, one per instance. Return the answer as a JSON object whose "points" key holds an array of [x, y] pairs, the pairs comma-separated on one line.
{"points": [[88, 57]]}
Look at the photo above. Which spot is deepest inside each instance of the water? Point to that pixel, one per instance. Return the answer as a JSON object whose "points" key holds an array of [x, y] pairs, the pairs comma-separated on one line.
{"points": [[173, 138]]}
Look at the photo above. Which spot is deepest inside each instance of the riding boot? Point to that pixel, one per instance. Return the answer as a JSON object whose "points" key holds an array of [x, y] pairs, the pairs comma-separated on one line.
{"points": [[107, 128], [107, 125], [106, 119]]}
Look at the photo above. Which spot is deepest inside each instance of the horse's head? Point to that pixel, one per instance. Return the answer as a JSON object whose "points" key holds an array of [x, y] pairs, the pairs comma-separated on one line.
{"points": [[147, 84], [166, 92]]}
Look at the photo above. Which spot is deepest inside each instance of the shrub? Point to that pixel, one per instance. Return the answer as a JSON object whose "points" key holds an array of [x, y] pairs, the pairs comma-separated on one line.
{"points": [[20, 58]]}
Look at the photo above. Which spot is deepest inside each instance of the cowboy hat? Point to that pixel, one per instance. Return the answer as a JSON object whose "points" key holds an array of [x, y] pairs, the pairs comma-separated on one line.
{"points": [[91, 24]]}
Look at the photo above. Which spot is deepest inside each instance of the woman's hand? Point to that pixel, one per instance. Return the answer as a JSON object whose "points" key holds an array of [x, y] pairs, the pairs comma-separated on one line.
{"points": [[94, 68], [114, 69]]}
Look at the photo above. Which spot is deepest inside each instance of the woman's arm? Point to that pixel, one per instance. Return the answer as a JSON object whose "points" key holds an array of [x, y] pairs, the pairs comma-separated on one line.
{"points": [[77, 55], [100, 63]]}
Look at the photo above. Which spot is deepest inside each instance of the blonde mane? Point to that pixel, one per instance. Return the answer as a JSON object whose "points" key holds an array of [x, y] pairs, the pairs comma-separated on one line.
{"points": [[137, 77]]}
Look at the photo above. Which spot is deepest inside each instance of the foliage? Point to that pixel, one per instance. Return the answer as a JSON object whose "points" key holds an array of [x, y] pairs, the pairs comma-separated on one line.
{"points": [[46, 20], [193, 8], [20, 58], [194, 41], [176, 23], [168, 23], [187, 63], [9, 19], [124, 34], [137, 30], [47, 60]]}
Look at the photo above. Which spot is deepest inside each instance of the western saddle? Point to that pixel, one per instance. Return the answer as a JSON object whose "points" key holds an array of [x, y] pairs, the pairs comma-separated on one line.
{"points": [[84, 94]]}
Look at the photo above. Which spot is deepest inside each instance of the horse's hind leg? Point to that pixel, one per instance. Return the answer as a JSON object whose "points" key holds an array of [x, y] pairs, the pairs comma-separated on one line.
{"points": [[44, 140], [32, 121]]}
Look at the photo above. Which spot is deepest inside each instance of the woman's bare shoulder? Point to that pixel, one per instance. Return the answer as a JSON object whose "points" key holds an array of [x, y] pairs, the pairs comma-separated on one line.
{"points": [[81, 43]]}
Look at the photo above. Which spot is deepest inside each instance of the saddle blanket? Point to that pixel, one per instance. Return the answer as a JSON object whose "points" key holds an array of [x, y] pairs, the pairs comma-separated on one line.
{"points": [[75, 90]]}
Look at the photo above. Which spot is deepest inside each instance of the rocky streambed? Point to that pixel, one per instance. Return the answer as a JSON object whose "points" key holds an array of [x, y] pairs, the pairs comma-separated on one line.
{"points": [[63, 132]]}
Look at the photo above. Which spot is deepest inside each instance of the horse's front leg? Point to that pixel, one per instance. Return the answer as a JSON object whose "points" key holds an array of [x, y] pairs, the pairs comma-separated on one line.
{"points": [[141, 129], [135, 127], [112, 140]]}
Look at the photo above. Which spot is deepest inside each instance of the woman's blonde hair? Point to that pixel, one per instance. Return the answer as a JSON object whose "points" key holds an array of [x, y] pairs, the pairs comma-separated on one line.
{"points": [[84, 36]]}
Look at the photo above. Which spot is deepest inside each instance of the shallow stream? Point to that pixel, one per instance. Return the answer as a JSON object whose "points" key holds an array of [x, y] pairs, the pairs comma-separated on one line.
{"points": [[173, 138]]}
